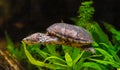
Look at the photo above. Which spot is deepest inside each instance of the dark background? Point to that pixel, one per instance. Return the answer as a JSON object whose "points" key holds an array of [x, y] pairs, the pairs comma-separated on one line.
{"points": [[23, 17]]}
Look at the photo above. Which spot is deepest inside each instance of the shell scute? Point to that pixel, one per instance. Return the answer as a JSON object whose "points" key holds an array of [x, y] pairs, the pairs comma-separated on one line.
{"points": [[70, 32]]}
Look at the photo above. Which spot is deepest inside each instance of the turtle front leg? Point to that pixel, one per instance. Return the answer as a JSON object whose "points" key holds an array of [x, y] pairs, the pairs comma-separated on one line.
{"points": [[91, 49]]}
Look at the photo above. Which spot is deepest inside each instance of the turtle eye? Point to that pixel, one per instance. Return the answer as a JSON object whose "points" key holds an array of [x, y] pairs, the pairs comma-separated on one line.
{"points": [[27, 39]]}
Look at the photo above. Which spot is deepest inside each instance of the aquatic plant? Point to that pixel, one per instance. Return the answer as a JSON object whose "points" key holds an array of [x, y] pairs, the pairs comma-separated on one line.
{"points": [[68, 58]]}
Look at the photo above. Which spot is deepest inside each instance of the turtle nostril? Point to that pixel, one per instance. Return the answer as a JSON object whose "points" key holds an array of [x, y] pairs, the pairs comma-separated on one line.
{"points": [[25, 39]]}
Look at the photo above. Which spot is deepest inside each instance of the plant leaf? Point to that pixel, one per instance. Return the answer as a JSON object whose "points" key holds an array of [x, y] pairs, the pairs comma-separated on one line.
{"points": [[75, 53], [99, 34], [102, 61], [78, 57], [10, 45], [42, 53], [106, 54], [68, 59], [36, 62], [92, 65], [51, 49], [54, 57], [79, 64], [106, 62]]}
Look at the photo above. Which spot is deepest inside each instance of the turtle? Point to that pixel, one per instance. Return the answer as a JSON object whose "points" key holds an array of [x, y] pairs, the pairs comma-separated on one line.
{"points": [[63, 33]]}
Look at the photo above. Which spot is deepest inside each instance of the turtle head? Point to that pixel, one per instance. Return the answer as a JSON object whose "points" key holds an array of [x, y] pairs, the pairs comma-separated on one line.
{"points": [[33, 39], [40, 38]]}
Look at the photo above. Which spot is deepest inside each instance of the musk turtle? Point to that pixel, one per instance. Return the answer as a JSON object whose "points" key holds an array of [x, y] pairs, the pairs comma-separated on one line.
{"points": [[63, 33], [70, 33]]}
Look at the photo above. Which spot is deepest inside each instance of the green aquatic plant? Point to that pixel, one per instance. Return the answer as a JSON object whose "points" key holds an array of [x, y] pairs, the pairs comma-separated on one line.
{"points": [[72, 59], [102, 42], [18, 53], [85, 14], [53, 57], [106, 57], [84, 19], [11, 48]]}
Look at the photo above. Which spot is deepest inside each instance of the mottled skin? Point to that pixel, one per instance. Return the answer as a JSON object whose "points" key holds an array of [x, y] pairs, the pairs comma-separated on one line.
{"points": [[62, 33], [40, 38]]}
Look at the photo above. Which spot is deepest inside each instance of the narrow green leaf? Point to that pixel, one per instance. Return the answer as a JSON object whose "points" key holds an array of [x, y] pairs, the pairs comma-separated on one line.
{"points": [[36, 62], [75, 53], [68, 59], [78, 57], [78, 65], [106, 62], [118, 68], [92, 65], [42, 53], [10, 45], [61, 65], [109, 47], [102, 61], [95, 44], [106, 54], [99, 34], [67, 49], [54, 57], [111, 28], [112, 51], [51, 49], [108, 57]]}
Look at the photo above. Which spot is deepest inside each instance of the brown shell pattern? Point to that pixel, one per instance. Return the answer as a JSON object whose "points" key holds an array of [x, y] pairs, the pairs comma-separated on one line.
{"points": [[70, 33]]}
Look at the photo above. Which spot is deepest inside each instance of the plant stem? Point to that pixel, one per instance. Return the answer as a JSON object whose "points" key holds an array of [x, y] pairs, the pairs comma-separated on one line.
{"points": [[78, 57]]}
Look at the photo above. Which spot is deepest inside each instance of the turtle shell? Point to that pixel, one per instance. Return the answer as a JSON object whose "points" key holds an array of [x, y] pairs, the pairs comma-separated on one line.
{"points": [[70, 33]]}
